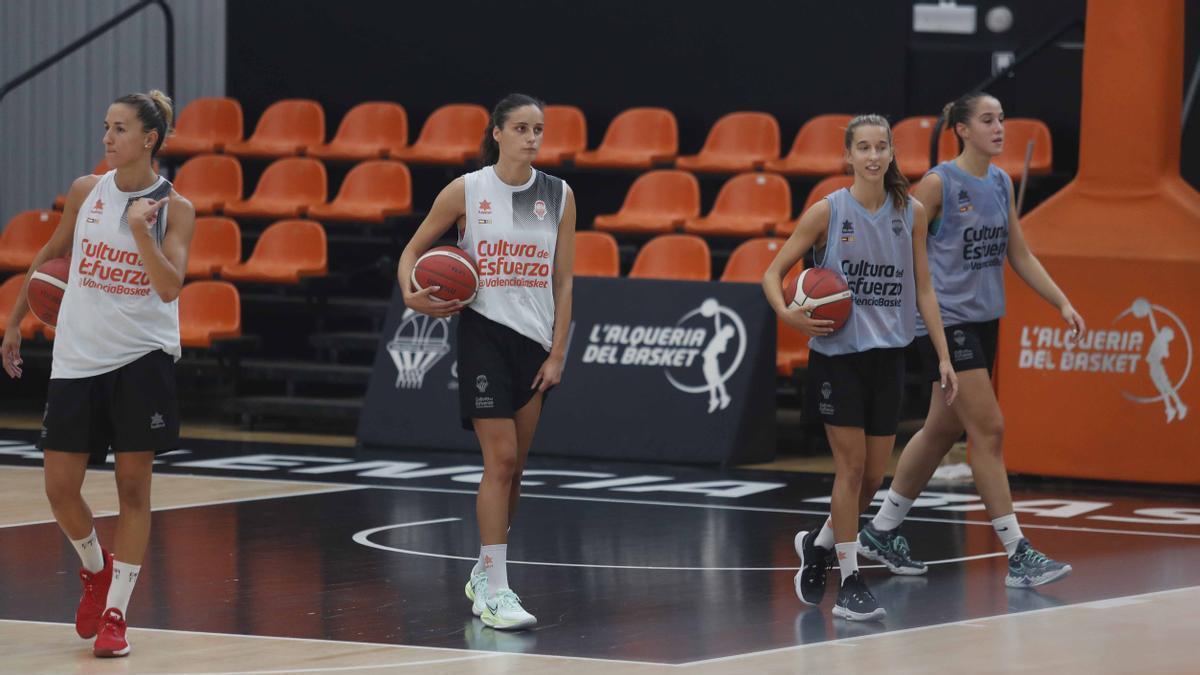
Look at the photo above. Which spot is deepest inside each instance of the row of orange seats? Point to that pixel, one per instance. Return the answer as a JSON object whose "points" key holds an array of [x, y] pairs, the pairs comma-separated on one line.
{"points": [[636, 138], [208, 311]]}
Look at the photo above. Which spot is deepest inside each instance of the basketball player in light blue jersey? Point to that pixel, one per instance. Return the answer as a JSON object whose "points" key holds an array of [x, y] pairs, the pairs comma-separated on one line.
{"points": [[873, 234], [974, 228]]}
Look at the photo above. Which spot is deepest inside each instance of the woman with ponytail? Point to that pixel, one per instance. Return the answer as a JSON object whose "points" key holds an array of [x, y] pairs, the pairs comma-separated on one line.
{"points": [[112, 378], [974, 227], [872, 233], [512, 339]]}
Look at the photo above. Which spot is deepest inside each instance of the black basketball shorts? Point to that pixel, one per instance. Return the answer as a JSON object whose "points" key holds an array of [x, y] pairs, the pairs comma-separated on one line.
{"points": [[496, 368], [858, 390], [134, 408], [972, 346]]}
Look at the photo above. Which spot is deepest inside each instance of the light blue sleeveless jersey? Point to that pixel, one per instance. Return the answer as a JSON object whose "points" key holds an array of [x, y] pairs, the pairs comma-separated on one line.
{"points": [[967, 245], [873, 251]]}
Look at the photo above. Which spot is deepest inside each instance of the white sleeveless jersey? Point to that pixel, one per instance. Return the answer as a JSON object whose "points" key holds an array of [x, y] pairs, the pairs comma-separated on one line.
{"points": [[110, 316], [511, 232]]}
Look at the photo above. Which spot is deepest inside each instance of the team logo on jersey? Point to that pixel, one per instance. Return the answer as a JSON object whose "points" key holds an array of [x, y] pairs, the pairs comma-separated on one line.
{"points": [[826, 390], [419, 343], [964, 201], [897, 226], [98, 207], [539, 209], [1152, 346], [847, 232], [959, 337], [485, 206], [481, 383]]}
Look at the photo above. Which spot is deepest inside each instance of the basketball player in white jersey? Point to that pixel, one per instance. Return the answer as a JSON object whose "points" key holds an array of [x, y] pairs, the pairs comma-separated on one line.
{"points": [[974, 228], [518, 224], [873, 234], [112, 379]]}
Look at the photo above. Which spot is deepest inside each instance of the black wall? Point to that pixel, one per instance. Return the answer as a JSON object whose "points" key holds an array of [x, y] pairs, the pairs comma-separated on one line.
{"points": [[701, 59]]}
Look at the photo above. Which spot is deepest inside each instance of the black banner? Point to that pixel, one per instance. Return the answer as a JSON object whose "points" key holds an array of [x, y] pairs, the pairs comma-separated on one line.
{"points": [[666, 371]]}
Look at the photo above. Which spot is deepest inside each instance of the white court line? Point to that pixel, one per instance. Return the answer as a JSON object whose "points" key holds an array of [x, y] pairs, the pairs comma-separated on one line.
{"points": [[343, 643], [364, 538], [891, 633], [335, 487], [718, 507], [333, 669]]}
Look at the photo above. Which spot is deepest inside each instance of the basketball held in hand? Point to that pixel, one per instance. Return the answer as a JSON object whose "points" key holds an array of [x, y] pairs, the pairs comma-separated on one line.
{"points": [[451, 270], [825, 293], [47, 287]]}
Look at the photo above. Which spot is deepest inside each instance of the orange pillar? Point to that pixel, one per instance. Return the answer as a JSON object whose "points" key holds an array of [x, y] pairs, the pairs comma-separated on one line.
{"points": [[1123, 241]]}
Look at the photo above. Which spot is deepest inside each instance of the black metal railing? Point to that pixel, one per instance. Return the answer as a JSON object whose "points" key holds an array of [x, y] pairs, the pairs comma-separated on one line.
{"points": [[97, 32], [1037, 47]]}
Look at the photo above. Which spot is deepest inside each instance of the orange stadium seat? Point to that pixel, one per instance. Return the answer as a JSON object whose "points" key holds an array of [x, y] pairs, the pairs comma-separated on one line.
{"points": [[286, 128], [208, 310], [9, 290], [368, 131], [286, 251], [747, 264], [820, 190], [25, 235], [217, 242], [819, 148], [372, 191], [658, 202], [1017, 134], [683, 257], [210, 182], [911, 137], [567, 133], [451, 135], [596, 255], [287, 189], [203, 126], [739, 141], [749, 205], [637, 138]]}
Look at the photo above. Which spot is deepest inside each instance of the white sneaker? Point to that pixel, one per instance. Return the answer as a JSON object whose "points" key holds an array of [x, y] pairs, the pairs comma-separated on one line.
{"points": [[477, 592], [503, 611]]}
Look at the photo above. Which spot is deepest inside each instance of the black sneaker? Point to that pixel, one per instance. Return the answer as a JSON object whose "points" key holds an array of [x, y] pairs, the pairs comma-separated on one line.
{"points": [[855, 602], [889, 548], [810, 580], [1030, 567]]}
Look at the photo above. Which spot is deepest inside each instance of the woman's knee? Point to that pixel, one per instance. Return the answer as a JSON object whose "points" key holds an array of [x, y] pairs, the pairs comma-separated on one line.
{"points": [[62, 493], [133, 491]]}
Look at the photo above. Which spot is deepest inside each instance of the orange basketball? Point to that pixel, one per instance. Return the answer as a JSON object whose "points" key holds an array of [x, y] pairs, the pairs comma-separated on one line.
{"points": [[825, 291], [451, 270], [47, 287]]}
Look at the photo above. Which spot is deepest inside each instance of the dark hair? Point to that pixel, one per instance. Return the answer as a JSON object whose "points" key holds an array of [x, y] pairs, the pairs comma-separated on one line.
{"points": [[958, 112], [154, 110], [489, 150], [893, 181]]}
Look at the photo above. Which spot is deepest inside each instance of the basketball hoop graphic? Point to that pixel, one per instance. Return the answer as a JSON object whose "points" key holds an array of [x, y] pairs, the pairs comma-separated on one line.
{"points": [[420, 342]]}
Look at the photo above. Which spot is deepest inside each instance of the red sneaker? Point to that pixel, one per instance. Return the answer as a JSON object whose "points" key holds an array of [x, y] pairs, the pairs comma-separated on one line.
{"points": [[94, 598], [111, 639]]}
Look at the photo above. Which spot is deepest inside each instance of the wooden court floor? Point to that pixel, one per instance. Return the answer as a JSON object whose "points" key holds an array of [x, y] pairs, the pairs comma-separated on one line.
{"points": [[289, 587]]}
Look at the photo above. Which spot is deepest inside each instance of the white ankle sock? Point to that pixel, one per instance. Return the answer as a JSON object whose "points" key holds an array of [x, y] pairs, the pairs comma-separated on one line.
{"points": [[124, 577], [478, 563], [1009, 532], [847, 555], [891, 514], [494, 564], [825, 536], [89, 552]]}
